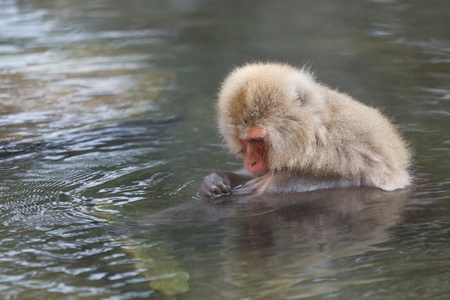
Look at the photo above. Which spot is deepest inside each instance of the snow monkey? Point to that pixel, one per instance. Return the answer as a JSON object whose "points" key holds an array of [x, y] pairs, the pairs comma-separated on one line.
{"points": [[295, 134]]}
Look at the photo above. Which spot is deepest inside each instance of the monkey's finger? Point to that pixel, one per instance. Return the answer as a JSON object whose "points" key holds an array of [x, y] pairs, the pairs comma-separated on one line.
{"points": [[226, 182], [206, 192], [225, 188], [216, 190], [221, 184], [209, 190]]}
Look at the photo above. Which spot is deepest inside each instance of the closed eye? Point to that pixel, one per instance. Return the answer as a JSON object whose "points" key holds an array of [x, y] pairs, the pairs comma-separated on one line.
{"points": [[258, 140]]}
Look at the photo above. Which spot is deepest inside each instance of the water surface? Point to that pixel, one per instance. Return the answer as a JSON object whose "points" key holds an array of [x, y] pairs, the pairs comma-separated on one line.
{"points": [[107, 130]]}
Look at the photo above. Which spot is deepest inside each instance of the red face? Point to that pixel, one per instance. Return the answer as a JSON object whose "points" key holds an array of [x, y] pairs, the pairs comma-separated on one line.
{"points": [[255, 151]]}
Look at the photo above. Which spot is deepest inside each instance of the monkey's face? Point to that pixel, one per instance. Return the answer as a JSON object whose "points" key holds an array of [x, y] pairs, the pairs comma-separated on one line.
{"points": [[255, 146], [267, 116]]}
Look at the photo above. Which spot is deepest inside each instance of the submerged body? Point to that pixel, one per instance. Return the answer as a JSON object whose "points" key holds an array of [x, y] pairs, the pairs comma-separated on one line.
{"points": [[295, 134]]}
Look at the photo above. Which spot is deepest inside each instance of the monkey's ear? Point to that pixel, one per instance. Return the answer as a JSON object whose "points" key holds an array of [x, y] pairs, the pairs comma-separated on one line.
{"points": [[299, 98]]}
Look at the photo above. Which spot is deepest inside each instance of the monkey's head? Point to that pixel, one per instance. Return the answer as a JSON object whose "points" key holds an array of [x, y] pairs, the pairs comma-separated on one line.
{"points": [[269, 114]]}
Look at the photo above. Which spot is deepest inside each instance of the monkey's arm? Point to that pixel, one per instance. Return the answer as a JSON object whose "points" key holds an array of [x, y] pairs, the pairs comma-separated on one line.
{"points": [[218, 183]]}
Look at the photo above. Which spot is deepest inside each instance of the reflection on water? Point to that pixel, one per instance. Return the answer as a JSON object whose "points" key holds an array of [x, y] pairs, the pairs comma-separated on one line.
{"points": [[106, 131], [55, 77], [292, 243]]}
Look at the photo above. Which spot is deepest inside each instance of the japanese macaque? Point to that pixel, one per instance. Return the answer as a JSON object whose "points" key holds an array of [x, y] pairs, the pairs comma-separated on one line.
{"points": [[296, 135]]}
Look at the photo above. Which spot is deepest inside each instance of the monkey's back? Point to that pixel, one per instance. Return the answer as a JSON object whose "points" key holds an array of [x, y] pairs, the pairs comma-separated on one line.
{"points": [[368, 143]]}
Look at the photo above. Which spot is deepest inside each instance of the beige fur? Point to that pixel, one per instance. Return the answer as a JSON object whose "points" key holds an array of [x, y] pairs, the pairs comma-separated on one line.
{"points": [[311, 129]]}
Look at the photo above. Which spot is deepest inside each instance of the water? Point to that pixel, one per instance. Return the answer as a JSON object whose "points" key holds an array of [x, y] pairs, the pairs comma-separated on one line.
{"points": [[106, 115]]}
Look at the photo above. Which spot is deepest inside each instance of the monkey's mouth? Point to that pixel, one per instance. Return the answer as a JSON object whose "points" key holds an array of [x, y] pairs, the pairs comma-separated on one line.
{"points": [[255, 166]]}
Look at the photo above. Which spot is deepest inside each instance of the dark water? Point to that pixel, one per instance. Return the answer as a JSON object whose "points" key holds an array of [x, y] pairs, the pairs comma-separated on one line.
{"points": [[106, 115]]}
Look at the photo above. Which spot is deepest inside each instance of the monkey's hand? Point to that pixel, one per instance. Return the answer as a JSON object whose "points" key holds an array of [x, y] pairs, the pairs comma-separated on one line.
{"points": [[214, 185]]}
